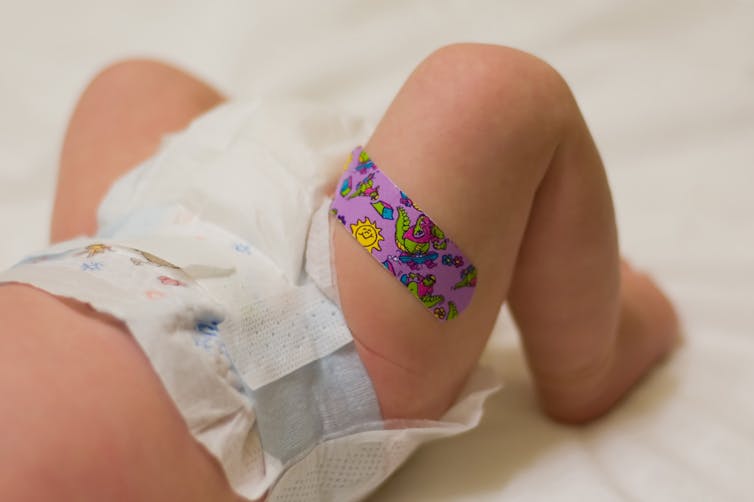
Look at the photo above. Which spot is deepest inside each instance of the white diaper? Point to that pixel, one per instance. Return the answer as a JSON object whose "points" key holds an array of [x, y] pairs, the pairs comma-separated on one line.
{"points": [[216, 254]]}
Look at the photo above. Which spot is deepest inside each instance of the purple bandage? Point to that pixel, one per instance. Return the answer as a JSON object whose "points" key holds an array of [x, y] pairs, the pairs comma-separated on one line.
{"points": [[404, 240]]}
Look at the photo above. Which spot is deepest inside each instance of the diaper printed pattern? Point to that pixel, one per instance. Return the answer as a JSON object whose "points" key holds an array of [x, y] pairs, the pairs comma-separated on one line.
{"points": [[401, 237], [148, 283]]}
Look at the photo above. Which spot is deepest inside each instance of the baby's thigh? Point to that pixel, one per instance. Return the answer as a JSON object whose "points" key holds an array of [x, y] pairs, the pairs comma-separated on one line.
{"points": [[467, 138], [83, 410]]}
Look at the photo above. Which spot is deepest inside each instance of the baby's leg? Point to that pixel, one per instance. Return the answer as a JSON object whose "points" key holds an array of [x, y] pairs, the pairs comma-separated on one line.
{"points": [[491, 144], [84, 416], [119, 122]]}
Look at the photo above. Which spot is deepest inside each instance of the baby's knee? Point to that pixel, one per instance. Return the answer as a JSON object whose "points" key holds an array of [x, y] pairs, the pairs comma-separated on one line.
{"points": [[503, 83], [130, 81], [124, 73], [506, 106]]}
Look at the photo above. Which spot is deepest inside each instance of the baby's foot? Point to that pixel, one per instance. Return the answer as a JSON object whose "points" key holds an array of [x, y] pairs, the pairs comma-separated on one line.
{"points": [[647, 332], [647, 313]]}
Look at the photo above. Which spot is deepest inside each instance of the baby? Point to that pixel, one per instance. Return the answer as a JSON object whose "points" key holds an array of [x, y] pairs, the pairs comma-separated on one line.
{"points": [[483, 166]]}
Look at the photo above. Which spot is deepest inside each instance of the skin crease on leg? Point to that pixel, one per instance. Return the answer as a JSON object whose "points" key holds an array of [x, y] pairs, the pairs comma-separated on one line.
{"points": [[487, 140]]}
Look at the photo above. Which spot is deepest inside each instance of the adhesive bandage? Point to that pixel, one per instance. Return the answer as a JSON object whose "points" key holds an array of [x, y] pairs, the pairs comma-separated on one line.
{"points": [[401, 237]]}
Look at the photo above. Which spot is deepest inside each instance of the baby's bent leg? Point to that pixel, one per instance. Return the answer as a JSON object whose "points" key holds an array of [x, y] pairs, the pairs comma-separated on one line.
{"points": [[118, 122], [490, 143]]}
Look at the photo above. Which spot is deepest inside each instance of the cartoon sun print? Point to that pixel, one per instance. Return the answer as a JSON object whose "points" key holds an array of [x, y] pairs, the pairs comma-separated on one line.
{"points": [[368, 234]]}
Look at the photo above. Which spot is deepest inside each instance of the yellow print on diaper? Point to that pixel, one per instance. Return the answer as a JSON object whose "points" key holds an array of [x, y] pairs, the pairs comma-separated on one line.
{"points": [[94, 249]]}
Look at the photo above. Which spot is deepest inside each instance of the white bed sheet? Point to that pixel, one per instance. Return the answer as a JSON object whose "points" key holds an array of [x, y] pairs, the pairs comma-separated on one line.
{"points": [[668, 89]]}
